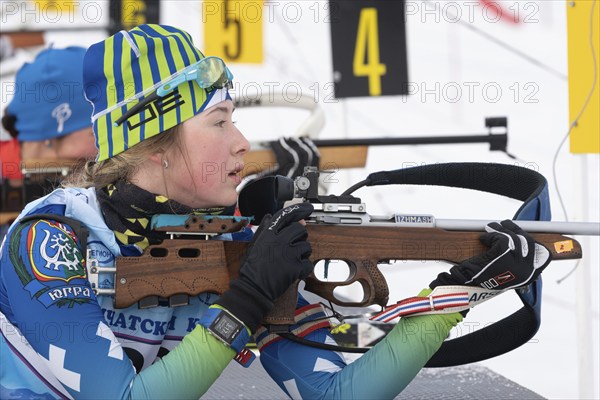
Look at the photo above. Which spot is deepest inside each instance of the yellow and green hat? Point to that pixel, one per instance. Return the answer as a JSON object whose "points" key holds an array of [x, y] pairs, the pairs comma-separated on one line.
{"points": [[125, 69]]}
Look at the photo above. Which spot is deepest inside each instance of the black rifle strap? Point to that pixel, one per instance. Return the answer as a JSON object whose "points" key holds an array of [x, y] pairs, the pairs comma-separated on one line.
{"points": [[496, 339], [502, 179]]}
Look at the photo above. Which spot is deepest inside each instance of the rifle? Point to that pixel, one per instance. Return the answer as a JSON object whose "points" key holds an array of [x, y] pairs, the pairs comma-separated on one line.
{"points": [[186, 264], [339, 229], [192, 266]]}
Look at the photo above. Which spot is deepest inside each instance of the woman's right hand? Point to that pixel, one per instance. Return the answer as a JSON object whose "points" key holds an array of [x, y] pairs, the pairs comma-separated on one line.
{"points": [[278, 255]]}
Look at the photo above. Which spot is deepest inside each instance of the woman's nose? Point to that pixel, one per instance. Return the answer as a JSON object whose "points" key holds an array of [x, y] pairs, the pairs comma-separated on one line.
{"points": [[242, 145]]}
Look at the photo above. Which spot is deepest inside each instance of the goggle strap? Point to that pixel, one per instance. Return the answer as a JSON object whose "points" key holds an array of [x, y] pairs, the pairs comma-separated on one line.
{"points": [[169, 86]]}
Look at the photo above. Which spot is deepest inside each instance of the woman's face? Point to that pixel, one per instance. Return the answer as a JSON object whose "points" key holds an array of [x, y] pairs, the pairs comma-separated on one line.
{"points": [[204, 170]]}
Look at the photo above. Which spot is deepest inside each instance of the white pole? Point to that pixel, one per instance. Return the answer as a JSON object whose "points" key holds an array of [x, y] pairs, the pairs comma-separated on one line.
{"points": [[565, 228], [345, 134], [585, 344]]}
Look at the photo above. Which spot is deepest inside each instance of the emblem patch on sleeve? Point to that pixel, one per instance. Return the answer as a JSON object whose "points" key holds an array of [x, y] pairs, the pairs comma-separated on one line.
{"points": [[50, 264]]}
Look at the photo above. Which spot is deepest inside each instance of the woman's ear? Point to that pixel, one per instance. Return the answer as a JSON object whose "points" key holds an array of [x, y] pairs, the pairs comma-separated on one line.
{"points": [[157, 158]]}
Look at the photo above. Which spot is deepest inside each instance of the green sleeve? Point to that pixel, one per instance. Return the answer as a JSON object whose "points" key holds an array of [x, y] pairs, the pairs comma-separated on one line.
{"points": [[187, 371], [394, 362]]}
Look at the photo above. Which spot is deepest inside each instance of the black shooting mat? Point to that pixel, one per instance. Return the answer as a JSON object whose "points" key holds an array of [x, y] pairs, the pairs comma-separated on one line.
{"points": [[463, 382]]}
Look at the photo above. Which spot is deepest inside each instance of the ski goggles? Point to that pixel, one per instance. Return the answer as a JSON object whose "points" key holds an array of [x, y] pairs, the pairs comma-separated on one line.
{"points": [[210, 73]]}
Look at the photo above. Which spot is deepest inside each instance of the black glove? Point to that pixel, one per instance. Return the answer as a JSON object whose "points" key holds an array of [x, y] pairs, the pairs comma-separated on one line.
{"points": [[513, 260], [277, 257], [293, 154]]}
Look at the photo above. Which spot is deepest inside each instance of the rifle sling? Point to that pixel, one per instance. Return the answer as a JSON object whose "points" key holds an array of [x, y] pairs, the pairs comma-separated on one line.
{"points": [[505, 180], [493, 340], [508, 332]]}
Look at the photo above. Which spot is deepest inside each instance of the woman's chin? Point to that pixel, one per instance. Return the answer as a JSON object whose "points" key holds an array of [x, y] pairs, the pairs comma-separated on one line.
{"points": [[223, 201]]}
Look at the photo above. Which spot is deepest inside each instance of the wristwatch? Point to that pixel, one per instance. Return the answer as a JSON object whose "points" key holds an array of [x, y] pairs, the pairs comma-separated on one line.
{"points": [[226, 327]]}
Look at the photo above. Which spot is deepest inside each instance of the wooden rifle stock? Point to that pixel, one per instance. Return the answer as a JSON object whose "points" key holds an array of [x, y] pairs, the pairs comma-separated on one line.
{"points": [[191, 267]]}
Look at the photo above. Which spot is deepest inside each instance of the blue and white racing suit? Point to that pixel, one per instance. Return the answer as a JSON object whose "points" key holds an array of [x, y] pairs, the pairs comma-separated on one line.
{"points": [[61, 341]]}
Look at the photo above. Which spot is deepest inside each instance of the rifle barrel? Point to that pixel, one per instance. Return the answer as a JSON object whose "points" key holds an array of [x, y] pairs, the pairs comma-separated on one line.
{"points": [[416, 140], [565, 228], [473, 225]]}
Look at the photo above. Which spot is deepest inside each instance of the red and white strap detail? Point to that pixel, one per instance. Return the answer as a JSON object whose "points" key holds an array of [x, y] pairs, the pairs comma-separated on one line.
{"points": [[302, 330], [442, 300], [245, 357]]}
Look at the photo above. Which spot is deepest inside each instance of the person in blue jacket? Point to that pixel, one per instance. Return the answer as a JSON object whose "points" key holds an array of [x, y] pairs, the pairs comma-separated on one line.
{"points": [[48, 113], [167, 145], [48, 118]]}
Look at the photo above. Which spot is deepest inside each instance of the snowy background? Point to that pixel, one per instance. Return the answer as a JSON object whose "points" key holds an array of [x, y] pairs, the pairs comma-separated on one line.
{"points": [[460, 74]]}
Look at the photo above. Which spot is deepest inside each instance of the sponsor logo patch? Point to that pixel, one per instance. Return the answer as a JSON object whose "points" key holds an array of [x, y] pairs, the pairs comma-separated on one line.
{"points": [[50, 264], [53, 252]]}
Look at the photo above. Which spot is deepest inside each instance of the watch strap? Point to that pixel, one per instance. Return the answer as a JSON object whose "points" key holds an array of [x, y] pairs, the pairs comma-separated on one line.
{"points": [[237, 342]]}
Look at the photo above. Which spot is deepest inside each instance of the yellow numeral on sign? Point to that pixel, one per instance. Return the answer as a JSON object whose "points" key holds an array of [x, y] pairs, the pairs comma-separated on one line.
{"points": [[233, 29], [133, 13], [367, 63]]}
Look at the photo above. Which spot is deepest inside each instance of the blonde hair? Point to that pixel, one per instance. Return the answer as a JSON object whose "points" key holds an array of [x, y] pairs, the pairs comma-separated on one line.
{"points": [[123, 165]]}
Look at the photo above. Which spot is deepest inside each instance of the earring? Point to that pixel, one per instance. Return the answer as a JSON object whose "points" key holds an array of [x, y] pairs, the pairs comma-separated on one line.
{"points": [[165, 164]]}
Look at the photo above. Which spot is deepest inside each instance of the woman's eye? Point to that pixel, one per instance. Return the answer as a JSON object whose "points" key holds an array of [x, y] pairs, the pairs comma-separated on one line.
{"points": [[221, 123]]}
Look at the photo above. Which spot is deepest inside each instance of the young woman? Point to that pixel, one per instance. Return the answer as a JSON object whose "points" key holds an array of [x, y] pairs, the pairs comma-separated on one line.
{"points": [[168, 145]]}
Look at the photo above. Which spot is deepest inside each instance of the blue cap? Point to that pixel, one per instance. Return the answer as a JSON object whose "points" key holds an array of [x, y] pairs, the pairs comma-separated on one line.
{"points": [[49, 100]]}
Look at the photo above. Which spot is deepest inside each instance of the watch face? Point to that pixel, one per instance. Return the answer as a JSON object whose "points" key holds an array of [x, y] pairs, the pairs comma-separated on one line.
{"points": [[226, 327]]}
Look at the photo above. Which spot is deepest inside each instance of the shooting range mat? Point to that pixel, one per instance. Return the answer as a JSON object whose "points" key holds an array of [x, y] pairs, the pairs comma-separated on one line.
{"points": [[456, 383]]}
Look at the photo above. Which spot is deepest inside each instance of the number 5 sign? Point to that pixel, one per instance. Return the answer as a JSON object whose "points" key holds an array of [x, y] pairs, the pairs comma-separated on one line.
{"points": [[233, 30], [368, 41]]}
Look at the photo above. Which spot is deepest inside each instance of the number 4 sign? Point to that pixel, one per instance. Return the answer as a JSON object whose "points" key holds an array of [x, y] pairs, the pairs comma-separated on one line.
{"points": [[368, 41]]}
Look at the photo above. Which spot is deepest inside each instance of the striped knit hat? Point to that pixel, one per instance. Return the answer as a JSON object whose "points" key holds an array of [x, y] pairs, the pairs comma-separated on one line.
{"points": [[129, 66]]}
